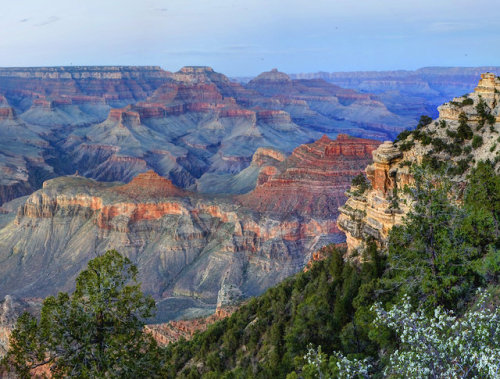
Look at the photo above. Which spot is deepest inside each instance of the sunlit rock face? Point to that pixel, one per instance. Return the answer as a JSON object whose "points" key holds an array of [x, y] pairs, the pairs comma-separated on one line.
{"points": [[373, 213], [312, 181]]}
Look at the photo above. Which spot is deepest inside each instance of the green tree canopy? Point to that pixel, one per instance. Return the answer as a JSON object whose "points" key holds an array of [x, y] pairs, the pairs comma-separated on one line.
{"points": [[434, 255], [98, 331]]}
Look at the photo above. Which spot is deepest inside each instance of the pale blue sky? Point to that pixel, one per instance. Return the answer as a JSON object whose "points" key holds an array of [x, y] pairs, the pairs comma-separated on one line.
{"points": [[248, 37]]}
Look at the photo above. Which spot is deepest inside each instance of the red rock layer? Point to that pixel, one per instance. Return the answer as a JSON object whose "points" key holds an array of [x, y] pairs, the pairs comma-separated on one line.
{"points": [[124, 115], [312, 181], [150, 184], [175, 330]]}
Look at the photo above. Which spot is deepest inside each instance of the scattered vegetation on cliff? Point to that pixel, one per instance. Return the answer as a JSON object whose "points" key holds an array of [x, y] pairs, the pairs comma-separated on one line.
{"points": [[361, 183]]}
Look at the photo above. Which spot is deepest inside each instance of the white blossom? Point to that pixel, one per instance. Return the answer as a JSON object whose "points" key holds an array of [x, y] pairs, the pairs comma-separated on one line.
{"points": [[444, 345]]}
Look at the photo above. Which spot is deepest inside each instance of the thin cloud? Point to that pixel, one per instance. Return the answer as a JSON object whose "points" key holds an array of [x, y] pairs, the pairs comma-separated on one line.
{"points": [[240, 47], [48, 21], [446, 27]]}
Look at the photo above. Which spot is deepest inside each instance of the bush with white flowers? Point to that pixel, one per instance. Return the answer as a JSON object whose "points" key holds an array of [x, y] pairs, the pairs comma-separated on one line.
{"points": [[444, 345]]}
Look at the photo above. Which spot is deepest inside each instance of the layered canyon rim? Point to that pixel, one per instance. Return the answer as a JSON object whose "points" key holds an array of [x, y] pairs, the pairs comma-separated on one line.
{"points": [[195, 126]]}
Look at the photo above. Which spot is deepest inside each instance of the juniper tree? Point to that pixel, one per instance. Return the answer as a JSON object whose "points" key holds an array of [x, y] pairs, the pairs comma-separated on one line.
{"points": [[98, 331]]}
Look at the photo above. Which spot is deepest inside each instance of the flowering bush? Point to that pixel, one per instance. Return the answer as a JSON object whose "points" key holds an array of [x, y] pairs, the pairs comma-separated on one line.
{"points": [[444, 345]]}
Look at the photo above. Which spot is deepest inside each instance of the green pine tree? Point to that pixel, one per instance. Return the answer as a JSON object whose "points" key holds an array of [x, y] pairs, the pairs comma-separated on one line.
{"points": [[98, 331]]}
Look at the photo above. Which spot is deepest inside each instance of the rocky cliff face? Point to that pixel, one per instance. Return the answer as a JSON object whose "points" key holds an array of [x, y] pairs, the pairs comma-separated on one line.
{"points": [[312, 181], [193, 251], [111, 83], [373, 213]]}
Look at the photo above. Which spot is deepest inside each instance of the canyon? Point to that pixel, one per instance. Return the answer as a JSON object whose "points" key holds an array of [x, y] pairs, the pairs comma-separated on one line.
{"points": [[194, 127], [405, 92], [216, 190], [193, 250]]}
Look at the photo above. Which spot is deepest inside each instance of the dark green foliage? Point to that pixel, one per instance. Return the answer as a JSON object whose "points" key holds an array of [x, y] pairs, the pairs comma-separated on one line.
{"points": [[424, 121], [432, 162], [95, 332], [361, 183], [463, 103], [484, 113], [477, 141], [467, 101], [454, 149], [483, 192], [451, 133], [438, 144], [460, 168], [434, 255], [425, 139], [403, 135], [407, 145], [442, 124], [464, 132]]}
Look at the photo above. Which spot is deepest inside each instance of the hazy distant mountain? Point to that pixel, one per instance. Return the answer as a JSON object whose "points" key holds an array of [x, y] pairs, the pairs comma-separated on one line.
{"points": [[409, 93]]}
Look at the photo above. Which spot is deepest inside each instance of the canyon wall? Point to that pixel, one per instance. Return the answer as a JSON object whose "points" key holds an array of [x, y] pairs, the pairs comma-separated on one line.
{"points": [[195, 126], [112, 123]]}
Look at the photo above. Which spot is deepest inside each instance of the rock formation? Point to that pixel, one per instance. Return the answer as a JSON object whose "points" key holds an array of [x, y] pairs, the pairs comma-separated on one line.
{"points": [[112, 123], [312, 181], [194, 251], [373, 213]]}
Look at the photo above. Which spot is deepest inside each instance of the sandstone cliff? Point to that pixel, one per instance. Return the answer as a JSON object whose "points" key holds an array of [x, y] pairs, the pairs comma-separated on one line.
{"points": [[373, 213], [312, 181]]}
